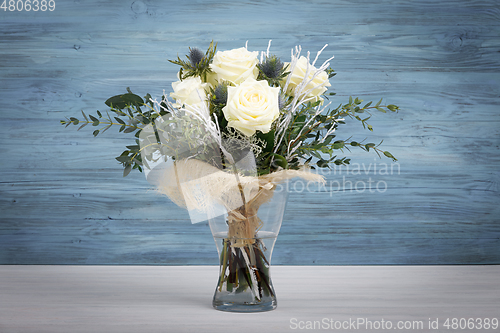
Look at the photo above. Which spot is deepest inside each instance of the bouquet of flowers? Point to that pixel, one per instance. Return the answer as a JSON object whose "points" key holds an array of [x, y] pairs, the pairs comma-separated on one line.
{"points": [[236, 124]]}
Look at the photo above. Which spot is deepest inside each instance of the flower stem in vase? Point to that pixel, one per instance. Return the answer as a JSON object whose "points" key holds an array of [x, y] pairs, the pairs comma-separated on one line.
{"points": [[244, 274]]}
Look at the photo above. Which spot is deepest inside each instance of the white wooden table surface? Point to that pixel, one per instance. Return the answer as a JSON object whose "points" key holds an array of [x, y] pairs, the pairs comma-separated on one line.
{"points": [[178, 299]]}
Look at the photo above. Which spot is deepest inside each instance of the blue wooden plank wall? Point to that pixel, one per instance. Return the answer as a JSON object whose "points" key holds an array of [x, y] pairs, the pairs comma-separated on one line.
{"points": [[63, 199]]}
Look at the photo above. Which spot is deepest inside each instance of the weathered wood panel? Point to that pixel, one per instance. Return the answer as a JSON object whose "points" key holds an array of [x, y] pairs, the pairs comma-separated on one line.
{"points": [[62, 197]]}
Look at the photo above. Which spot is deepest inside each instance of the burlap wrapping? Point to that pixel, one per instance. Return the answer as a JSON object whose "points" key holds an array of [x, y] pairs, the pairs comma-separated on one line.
{"points": [[196, 185]]}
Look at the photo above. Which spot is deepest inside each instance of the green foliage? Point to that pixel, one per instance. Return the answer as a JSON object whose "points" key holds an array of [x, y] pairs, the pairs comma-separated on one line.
{"points": [[129, 117], [313, 136], [331, 73], [122, 101], [318, 138]]}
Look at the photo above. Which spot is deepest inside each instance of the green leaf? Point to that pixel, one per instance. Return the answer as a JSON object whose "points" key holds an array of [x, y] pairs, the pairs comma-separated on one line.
{"points": [[94, 119], [322, 164], [129, 129], [315, 154], [122, 159], [300, 120], [95, 132], [84, 116], [127, 170], [279, 160], [338, 145], [393, 107], [122, 101], [386, 153], [328, 139], [148, 99], [369, 145], [376, 105]]}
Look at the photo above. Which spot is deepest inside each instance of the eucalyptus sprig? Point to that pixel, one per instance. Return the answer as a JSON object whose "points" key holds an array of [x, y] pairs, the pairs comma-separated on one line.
{"points": [[129, 117], [318, 139], [311, 135]]}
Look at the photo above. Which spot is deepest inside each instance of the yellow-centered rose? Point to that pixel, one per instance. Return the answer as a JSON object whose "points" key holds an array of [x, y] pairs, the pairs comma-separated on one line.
{"points": [[189, 92], [318, 86], [252, 106], [235, 65]]}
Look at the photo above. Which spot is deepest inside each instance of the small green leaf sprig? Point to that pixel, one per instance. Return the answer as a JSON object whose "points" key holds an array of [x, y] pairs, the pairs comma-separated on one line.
{"points": [[314, 134], [129, 117]]}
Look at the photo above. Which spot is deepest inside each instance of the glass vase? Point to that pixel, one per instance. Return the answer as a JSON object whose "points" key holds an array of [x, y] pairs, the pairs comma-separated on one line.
{"points": [[245, 239]]}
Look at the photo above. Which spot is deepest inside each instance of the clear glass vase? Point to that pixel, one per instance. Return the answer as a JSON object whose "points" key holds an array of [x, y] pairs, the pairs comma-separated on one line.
{"points": [[245, 238]]}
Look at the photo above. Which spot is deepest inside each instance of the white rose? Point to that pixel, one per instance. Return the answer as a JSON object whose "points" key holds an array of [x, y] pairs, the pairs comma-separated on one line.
{"points": [[189, 92], [317, 87], [252, 106], [235, 65]]}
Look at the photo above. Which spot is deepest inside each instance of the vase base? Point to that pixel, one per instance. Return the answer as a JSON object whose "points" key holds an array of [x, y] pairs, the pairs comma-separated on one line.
{"points": [[246, 308]]}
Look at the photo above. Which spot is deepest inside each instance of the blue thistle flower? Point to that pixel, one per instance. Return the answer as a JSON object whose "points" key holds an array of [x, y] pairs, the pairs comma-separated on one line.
{"points": [[272, 70], [220, 94], [272, 67], [195, 56], [198, 64]]}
